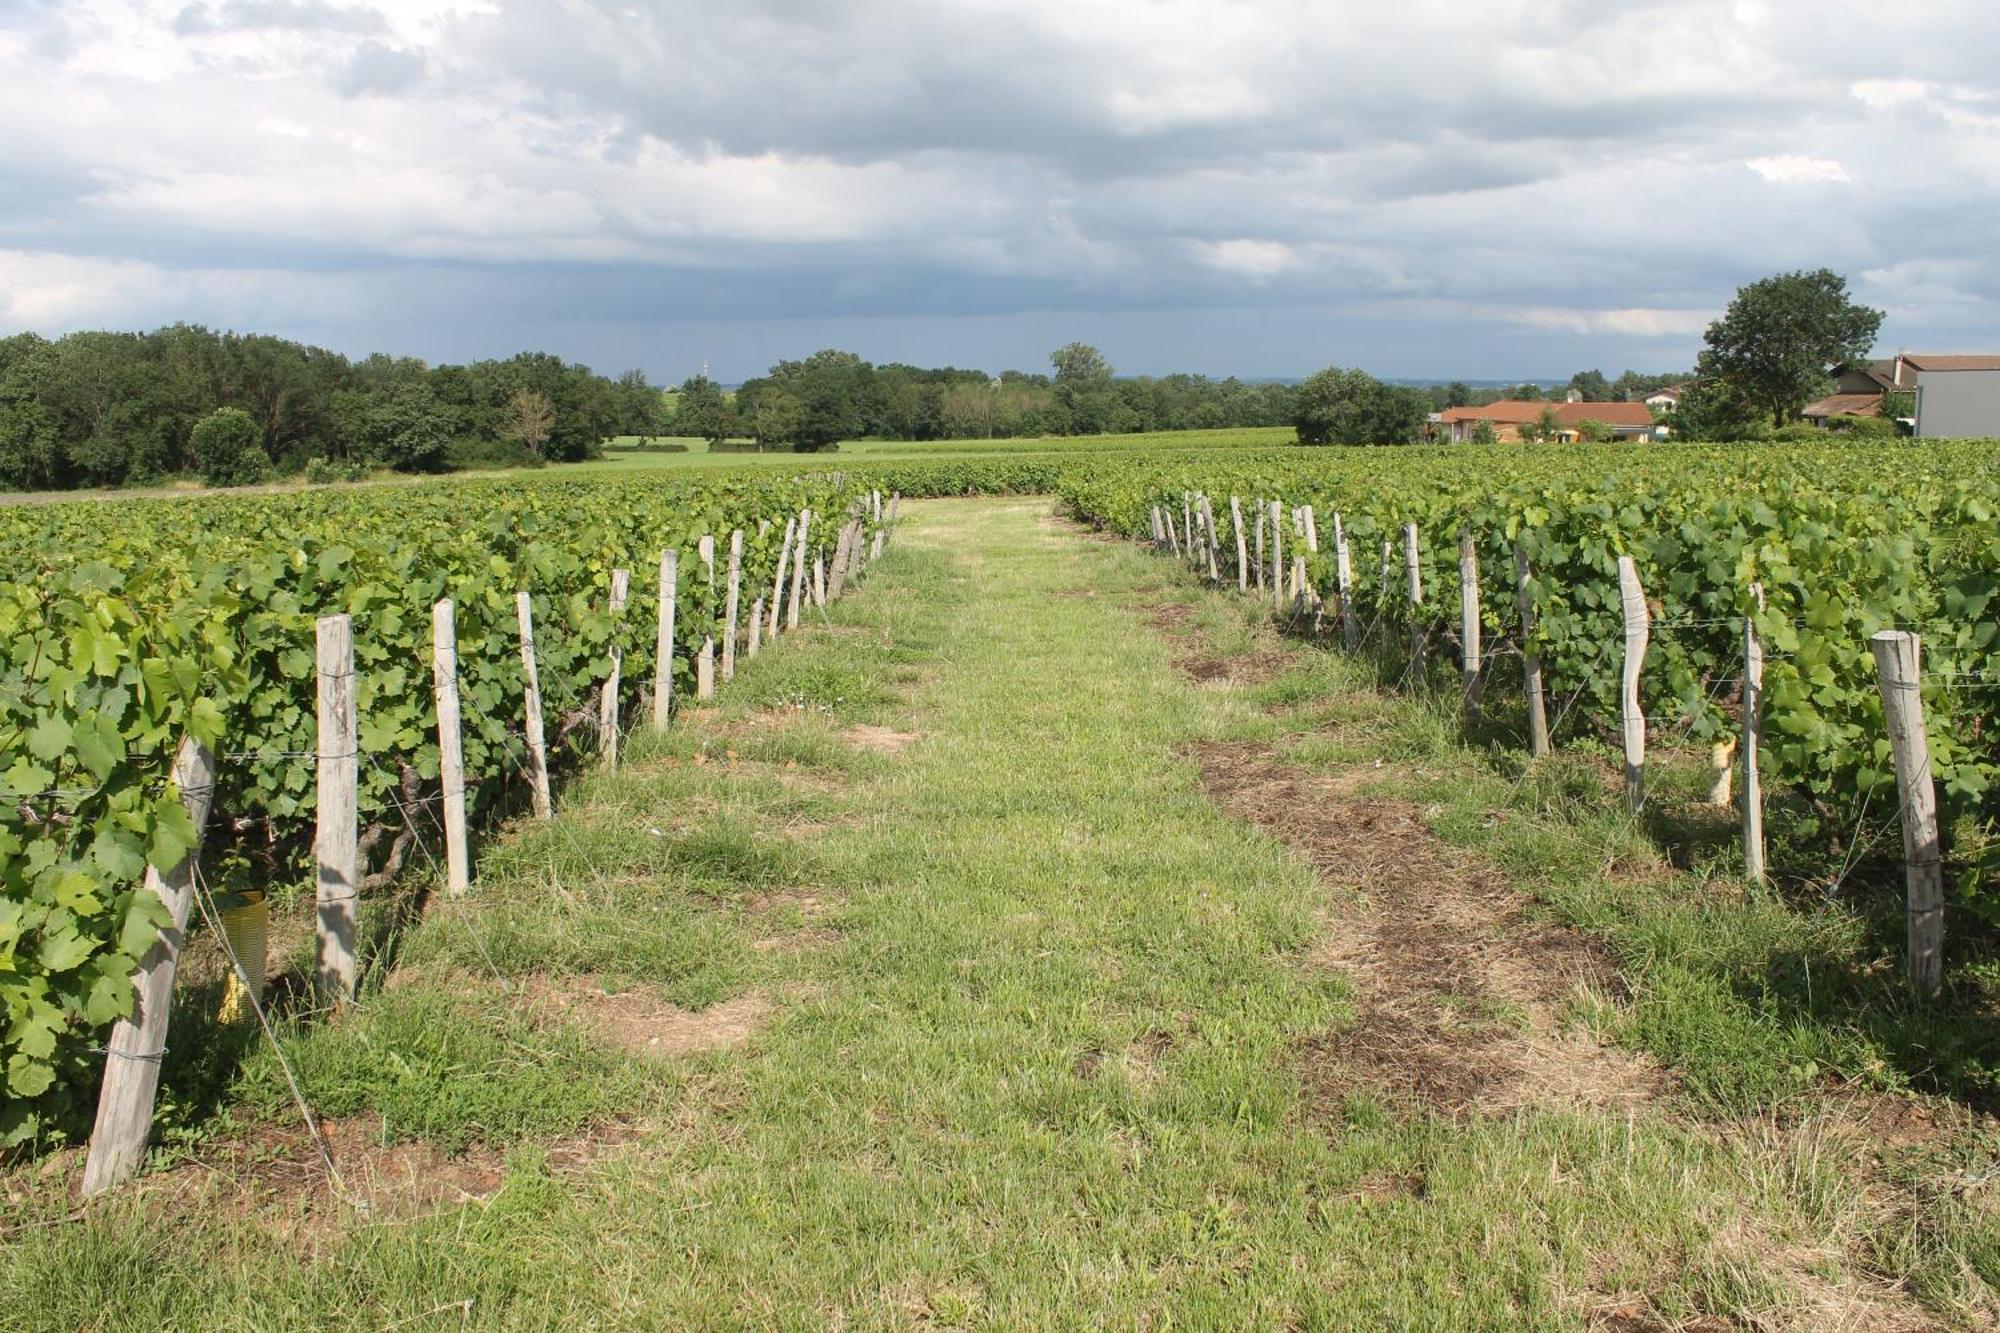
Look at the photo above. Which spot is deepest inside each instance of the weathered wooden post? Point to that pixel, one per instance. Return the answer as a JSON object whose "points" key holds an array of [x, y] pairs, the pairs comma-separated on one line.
{"points": [[1173, 539], [756, 627], [777, 605], [799, 570], [1753, 735], [531, 709], [1242, 551], [337, 829], [451, 752], [663, 642], [1531, 660], [1469, 628], [732, 604], [1414, 584], [1214, 542], [1898, 655], [132, 1056], [1263, 521], [607, 699], [1343, 577], [704, 662], [1277, 555], [1638, 624]]}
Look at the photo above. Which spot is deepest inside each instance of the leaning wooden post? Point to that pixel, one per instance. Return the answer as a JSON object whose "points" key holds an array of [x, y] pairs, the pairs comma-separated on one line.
{"points": [[1343, 577], [1263, 521], [856, 548], [1638, 628], [451, 753], [836, 578], [1242, 550], [531, 708], [777, 603], [336, 833], [732, 604], [799, 569], [1753, 735], [607, 699], [663, 641], [1898, 655], [1414, 583], [1159, 531], [132, 1056], [819, 580], [1469, 628], [1277, 555], [1214, 542], [1173, 539], [1187, 524], [756, 627], [704, 662], [1538, 717]]}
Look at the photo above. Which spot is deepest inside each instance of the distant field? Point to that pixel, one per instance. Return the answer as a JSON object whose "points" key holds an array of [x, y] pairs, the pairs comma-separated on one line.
{"points": [[626, 452]]}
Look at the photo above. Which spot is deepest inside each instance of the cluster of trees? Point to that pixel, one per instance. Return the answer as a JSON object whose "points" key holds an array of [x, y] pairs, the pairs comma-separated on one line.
{"points": [[834, 395], [1773, 351], [108, 409], [1590, 385]]}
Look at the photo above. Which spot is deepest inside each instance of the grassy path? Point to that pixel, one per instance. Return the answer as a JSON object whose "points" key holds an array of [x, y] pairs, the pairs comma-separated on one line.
{"points": [[983, 1015]]}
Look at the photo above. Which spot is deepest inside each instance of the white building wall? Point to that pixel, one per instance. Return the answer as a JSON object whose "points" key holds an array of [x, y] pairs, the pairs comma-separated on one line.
{"points": [[1958, 404]]}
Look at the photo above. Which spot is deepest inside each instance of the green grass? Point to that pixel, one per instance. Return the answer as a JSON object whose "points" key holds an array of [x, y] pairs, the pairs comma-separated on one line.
{"points": [[627, 452], [1038, 1063]]}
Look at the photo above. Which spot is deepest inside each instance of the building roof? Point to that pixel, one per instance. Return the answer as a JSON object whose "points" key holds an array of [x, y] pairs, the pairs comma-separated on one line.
{"points": [[1526, 412], [1845, 405], [1926, 361]]}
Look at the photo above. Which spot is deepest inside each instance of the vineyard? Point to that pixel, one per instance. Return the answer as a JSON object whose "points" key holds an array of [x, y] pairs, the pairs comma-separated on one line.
{"points": [[1481, 585], [1843, 544]]}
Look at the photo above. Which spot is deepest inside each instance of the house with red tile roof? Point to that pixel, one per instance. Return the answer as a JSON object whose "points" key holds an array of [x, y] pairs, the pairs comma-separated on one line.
{"points": [[1517, 419]]}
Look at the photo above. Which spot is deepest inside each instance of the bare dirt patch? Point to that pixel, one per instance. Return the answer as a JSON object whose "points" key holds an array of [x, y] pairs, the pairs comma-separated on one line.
{"points": [[1191, 658], [883, 740], [1459, 991], [645, 1024]]}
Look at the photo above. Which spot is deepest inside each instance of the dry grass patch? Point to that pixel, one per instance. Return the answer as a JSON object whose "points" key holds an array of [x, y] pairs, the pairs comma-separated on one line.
{"points": [[645, 1024]]}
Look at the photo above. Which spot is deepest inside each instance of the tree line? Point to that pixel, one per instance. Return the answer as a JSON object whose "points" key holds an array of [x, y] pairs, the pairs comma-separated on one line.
{"points": [[111, 409], [834, 395]]}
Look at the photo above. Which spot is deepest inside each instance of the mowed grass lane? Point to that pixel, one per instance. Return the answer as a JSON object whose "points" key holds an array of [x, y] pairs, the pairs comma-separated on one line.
{"points": [[1017, 1032]]}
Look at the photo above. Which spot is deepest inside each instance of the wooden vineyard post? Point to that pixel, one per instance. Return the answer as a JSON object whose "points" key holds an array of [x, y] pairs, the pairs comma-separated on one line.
{"points": [[1343, 577], [1538, 717], [1173, 540], [607, 699], [1414, 583], [778, 583], [1468, 622], [336, 832], [1638, 628], [756, 627], [799, 569], [1159, 530], [732, 604], [895, 508], [1753, 735], [1242, 552], [663, 642], [1187, 524], [1263, 521], [531, 708], [132, 1056], [1213, 543], [856, 551], [451, 752], [836, 577], [1898, 655], [1278, 555], [704, 662], [819, 580]]}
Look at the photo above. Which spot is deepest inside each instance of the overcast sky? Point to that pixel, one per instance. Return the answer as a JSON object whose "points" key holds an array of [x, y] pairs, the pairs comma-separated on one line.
{"points": [[1255, 187]]}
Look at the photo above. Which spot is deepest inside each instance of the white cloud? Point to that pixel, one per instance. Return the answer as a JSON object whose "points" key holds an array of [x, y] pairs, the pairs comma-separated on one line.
{"points": [[1572, 170], [1796, 169]]}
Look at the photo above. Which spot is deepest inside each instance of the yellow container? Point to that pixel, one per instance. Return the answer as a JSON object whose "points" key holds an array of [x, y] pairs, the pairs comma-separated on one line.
{"points": [[246, 925]]}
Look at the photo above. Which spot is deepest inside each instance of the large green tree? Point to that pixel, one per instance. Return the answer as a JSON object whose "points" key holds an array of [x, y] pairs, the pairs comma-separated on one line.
{"points": [[703, 410], [1083, 388], [1353, 407], [1777, 344]]}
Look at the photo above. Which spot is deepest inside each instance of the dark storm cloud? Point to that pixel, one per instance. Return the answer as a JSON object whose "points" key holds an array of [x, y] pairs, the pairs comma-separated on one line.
{"points": [[1526, 177]]}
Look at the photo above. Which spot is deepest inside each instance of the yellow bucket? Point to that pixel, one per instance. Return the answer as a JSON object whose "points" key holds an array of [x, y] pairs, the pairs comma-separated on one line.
{"points": [[246, 926]]}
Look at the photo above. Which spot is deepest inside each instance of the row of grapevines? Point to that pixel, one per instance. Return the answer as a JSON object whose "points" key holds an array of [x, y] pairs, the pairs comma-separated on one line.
{"points": [[125, 626], [1845, 541]]}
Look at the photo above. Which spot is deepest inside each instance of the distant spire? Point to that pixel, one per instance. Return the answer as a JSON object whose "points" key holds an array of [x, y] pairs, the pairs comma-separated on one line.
{"points": [[704, 367]]}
